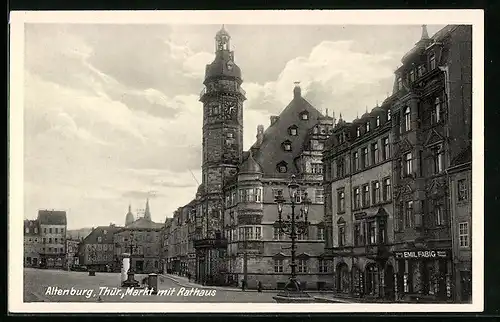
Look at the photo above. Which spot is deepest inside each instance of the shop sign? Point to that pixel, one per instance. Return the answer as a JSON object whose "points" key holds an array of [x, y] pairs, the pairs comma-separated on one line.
{"points": [[422, 254]]}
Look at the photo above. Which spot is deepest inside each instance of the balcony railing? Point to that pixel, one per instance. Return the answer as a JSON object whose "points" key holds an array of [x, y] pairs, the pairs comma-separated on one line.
{"points": [[221, 88]]}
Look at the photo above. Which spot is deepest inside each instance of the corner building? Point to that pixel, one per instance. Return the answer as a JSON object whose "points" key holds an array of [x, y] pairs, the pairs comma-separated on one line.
{"points": [[235, 233]]}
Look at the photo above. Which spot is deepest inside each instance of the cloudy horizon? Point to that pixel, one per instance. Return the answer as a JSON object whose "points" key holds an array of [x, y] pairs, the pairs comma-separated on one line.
{"points": [[112, 115]]}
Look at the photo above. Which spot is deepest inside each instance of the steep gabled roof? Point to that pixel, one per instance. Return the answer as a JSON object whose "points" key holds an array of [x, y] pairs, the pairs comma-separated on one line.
{"points": [[105, 232], [52, 217], [144, 223], [271, 152]]}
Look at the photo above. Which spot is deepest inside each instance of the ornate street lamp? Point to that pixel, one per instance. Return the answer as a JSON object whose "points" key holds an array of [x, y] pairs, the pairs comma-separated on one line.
{"points": [[293, 225]]}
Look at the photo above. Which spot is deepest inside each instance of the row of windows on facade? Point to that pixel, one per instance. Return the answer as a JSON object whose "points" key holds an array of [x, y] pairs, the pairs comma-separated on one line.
{"points": [[435, 117], [414, 74], [51, 240], [56, 230], [369, 157], [312, 168], [437, 155], [302, 266], [138, 250], [254, 232], [370, 231], [137, 238], [255, 195], [315, 145], [361, 195], [99, 257], [53, 249]]}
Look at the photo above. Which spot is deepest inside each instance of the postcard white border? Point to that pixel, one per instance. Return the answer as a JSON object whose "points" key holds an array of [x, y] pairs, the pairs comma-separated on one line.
{"points": [[283, 17]]}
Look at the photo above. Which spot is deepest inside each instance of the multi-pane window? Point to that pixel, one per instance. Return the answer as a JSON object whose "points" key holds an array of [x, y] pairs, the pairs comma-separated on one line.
{"points": [[322, 265], [318, 196], [302, 265], [278, 266], [407, 118], [258, 232], [366, 161], [366, 196], [251, 232], [438, 158], [386, 153], [317, 168], [355, 161], [462, 190], [321, 233], [376, 192], [409, 213], [357, 198], [341, 235], [408, 169], [463, 234], [372, 232], [387, 189], [377, 122], [412, 75], [251, 195], [357, 235], [432, 62], [340, 167], [375, 153], [340, 201], [436, 111]]}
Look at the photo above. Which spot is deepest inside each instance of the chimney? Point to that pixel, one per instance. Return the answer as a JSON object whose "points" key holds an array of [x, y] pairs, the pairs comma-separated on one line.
{"points": [[274, 118], [297, 91], [260, 134]]}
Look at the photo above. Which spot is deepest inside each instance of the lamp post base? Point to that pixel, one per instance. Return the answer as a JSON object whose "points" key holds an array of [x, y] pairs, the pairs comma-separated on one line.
{"points": [[293, 294], [130, 281]]}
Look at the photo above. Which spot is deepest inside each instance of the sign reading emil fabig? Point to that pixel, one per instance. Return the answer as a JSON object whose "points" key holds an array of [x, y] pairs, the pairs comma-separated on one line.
{"points": [[422, 254]]}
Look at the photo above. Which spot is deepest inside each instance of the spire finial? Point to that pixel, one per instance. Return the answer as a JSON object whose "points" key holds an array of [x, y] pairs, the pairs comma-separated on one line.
{"points": [[377, 103], [366, 108], [296, 90], [340, 116], [425, 34], [327, 111]]}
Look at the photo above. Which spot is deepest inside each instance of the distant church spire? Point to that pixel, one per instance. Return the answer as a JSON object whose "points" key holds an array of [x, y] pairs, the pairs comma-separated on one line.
{"points": [[130, 216], [147, 214]]}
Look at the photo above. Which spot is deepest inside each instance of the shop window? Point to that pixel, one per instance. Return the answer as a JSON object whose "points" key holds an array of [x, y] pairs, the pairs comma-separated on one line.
{"points": [[343, 278], [372, 279]]}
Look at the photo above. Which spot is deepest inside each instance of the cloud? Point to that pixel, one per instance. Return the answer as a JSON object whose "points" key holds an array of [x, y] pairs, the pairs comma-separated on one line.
{"points": [[141, 194]]}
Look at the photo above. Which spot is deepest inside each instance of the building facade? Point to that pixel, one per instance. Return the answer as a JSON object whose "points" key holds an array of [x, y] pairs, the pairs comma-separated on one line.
{"points": [[460, 183], [32, 242], [141, 239], [99, 249], [72, 254], [429, 115], [358, 205], [53, 238]]}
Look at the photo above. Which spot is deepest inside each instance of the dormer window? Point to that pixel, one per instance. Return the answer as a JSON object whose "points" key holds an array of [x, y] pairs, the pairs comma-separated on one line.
{"points": [[421, 70], [304, 115], [378, 121], [412, 76], [358, 132], [292, 130], [282, 167], [367, 126], [287, 145], [400, 83], [388, 114]]}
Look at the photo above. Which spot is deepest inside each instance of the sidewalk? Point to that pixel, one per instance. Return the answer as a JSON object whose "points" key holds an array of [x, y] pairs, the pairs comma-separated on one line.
{"points": [[183, 281]]}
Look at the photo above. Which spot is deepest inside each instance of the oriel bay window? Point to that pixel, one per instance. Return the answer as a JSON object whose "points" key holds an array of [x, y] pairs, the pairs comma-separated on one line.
{"points": [[251, 232], [251, 195]]}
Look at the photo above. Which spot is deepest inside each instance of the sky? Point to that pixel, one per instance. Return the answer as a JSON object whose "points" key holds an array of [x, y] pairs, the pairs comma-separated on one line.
{"points": [[112, 117]]}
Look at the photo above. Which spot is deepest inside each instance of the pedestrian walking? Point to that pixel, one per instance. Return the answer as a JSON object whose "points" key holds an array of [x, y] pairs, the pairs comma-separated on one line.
{"points": [[259, 286], [243, 285]]}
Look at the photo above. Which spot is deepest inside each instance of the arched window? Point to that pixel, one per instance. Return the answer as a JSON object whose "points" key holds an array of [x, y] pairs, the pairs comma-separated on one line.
{"points": [[358, 132], [378, 121], [388, 114], [407, 118], [367, 126]]}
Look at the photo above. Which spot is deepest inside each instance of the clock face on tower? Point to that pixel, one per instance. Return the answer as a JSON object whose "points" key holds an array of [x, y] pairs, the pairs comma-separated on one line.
{"points": [[229, 109]]}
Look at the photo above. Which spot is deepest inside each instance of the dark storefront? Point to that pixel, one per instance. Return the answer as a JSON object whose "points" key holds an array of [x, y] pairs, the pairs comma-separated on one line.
{"points": [[424, 275]]}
